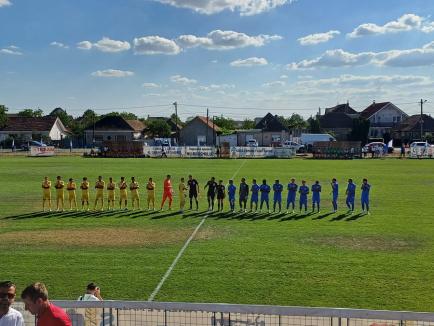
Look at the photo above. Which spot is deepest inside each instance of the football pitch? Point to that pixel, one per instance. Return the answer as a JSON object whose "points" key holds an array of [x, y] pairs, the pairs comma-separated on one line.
{"points": [[380, 261]]}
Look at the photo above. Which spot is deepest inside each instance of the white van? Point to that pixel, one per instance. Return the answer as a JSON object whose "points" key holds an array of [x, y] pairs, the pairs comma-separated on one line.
{"points": [[252, 143], [309, 139]]}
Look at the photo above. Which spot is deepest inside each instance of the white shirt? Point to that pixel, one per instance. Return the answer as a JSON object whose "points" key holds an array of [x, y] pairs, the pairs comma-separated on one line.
{"points": [[86, 297], [12, 318]]}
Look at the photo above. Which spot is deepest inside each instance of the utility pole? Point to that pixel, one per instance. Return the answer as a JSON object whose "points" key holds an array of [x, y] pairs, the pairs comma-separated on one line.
{"points": [[175, 104], [207, 125], [421, 118]]}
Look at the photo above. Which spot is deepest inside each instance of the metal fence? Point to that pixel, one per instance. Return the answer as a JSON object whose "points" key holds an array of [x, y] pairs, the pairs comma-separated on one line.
{"points": [[131, 313]]}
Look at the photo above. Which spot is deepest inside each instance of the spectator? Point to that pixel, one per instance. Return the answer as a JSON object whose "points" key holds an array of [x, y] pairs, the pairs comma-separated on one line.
{"points": [[402, 151], [9, 316], [35, 299], [92, 293]]}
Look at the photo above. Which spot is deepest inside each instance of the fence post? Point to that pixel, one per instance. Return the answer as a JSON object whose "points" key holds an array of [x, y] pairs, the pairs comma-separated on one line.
{"points": [[111, 316], [165, 317]]}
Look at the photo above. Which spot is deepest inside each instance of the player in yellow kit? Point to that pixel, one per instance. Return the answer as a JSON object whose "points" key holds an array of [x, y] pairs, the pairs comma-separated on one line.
{"points": [[84, 193], [99, 186], [46, 193], [71, 187], [111, 186], [150, 187], [60, 196], [123, 193], [182, 194], [134, 187]]}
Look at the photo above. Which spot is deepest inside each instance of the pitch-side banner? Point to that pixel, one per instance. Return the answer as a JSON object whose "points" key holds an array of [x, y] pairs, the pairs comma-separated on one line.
{"points": [[42, 151], [422, 152]]}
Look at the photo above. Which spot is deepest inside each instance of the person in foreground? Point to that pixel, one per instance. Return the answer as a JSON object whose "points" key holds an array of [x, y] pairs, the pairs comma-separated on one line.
{"points": [[8, 315], [35, 298]]}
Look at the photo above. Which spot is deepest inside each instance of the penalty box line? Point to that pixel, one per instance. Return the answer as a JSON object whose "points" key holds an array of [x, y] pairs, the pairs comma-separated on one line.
{"points": [[184, 247]]}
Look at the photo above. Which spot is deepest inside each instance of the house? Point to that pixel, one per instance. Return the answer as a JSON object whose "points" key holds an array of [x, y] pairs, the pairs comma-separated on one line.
{"points": [[338, 120], [33, 128], [383, 117], [269, 131], [409, 130], [200, 131], [114, 128]]}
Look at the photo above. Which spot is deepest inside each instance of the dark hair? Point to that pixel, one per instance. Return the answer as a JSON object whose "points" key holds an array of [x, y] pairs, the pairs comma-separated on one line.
{"points": [[70, 179], [91, 286], [7, 284], [35, 291]]}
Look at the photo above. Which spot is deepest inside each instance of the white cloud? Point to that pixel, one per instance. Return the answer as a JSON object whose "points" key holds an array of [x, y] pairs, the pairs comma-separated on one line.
{"points": [[283, 77], [216, 87], [105, 45], [109, 73], [277, 83], [244, 7], [404, 23], [249, 62], [4, 3], [155, 45], [150, 85], [59, 45], [313, 39], [394, 58], [225, 40], [178, 79], [11, 50]]}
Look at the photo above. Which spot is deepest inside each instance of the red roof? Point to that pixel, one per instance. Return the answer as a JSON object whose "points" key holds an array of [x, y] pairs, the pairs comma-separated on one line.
{"points": [[210, 123], [15, 123], [372, 109], [137, 125]]}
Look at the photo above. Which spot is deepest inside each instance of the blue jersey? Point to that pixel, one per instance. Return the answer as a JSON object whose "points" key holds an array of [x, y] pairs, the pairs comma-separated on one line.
{"points": [[255, 191], [304, 190], [264, 189], [292, 190], [365, 190], [351, 190], [231, 191], [277, 188], [316, 189], [335, 190]]}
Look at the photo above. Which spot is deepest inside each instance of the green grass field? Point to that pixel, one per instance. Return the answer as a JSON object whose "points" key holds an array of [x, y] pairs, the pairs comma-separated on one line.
{"points": [[381, 261]]}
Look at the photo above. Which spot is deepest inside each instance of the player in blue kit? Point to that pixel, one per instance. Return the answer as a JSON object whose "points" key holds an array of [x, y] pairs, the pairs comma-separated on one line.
{"points": [[351, 193], [365, 195], [255, 194], [265, 190], [292, 193], [303, 191], [277, 198], [335, 193], [316, 195], [231, 194]]}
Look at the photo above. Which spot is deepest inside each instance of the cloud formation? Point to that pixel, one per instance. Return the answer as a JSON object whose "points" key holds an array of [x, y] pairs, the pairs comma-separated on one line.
{"points": [[105, 45], [314, 39], [150, 85], [112, 73], [59, 45], [11, 50], [244, 7], [249, 62], [178, 79], [4, 3], [155, 45], [225, 40]]}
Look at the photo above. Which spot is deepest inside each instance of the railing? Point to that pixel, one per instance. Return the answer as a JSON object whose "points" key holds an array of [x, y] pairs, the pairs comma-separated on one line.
{"points": [[132, 313]]}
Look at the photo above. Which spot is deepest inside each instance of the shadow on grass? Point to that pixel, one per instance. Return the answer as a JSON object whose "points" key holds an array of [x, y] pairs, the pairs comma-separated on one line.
{"points": [[320, 217], [296, 217], [339, 217], [354, 217]]}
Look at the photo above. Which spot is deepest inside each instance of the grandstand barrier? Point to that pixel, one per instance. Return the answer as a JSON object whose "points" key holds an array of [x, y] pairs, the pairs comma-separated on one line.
{"points": [[211, 152], [134, 313]]}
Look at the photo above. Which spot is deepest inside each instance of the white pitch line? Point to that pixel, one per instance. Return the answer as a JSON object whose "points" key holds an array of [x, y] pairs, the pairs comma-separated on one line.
{"points": [[184, 247]]}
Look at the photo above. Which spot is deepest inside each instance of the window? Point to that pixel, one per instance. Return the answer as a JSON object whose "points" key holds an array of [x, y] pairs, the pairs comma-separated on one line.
{"points": [[121, 138]]}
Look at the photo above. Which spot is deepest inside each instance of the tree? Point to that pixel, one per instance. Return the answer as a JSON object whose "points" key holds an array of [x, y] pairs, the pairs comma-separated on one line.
{"points": [[3, 115], [248, 124], [224, 123], [125, 115], [173, 118], [314, 126], [29, 113], [66, 119], [158, 128], [296, 121], [360, 130]]}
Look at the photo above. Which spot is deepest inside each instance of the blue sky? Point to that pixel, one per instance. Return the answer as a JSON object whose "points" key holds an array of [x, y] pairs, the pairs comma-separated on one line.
{"points": [[268, 55]]}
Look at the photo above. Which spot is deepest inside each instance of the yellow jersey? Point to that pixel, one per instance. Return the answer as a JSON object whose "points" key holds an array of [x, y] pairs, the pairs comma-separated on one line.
{"points": [[70, 186], [182, 189], [123, 188], [59, 187], [150, 187], [134, 187], [46, 186], [99, 186]]}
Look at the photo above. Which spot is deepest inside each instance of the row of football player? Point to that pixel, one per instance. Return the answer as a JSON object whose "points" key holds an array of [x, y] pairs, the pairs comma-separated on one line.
{"points": [[214, 190]]}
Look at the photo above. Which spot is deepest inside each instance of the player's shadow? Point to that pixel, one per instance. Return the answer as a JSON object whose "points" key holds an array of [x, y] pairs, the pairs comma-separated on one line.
{"points": [[27, 215], [320, 217], [296, 217], [275, 216], [354, 217], [339, 217], [165, 215]]}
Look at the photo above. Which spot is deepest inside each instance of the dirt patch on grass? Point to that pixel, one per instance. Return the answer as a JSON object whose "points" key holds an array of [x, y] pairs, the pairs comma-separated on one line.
{"points": [[104, 237], [366, 243]]}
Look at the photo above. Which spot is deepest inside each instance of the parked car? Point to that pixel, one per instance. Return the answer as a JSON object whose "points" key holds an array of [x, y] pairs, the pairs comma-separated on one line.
{"points": [[420, 144], [26, 146], [374, 147], [252, 143], [291, 144]]}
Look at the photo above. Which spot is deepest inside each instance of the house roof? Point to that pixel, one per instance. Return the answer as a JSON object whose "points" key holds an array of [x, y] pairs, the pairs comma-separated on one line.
{"points": [[372, 109], [210, 123], [336, 120], [341, 108], [412, 124], [270, 123], [117, 123], [16, 123]]}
